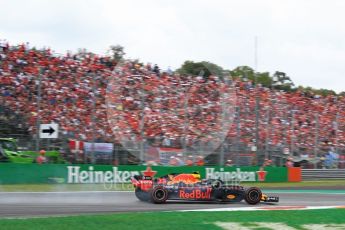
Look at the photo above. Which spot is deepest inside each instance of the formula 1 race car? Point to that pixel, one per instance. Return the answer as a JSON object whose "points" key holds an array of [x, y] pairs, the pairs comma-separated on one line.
{"points": [[191, 188]]}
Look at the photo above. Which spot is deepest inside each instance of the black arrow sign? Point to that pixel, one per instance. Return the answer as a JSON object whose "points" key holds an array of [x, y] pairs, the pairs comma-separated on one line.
{"points": [[50, 130]]}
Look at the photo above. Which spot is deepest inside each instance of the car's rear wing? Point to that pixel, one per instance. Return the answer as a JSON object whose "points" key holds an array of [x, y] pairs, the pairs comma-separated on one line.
{"points": [[142, 182]]}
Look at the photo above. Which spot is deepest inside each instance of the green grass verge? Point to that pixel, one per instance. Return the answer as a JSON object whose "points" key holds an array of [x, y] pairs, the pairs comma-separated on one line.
{"points": [[128, 187], [178, 220]]}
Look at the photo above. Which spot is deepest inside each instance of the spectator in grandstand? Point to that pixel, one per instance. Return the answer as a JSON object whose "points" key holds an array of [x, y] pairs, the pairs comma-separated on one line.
{"points": [[179, 159], [189, 161], [173, 161], [229, 163], [116, 162], [3, 45], [331, 159], [267, 162], [322, 162], [289, 163], [200, 161], [156, 69], [41, 159]]}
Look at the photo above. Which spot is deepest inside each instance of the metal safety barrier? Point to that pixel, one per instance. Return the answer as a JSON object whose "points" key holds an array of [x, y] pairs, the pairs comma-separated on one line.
{"points": [[323, 174]]}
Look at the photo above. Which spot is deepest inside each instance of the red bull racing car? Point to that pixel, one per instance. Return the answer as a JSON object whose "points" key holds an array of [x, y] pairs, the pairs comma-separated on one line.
{"points": [[190, 187]]}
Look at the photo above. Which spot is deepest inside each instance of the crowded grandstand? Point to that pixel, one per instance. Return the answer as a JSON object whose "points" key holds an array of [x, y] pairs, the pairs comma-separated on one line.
{"points": [[82, 92]]}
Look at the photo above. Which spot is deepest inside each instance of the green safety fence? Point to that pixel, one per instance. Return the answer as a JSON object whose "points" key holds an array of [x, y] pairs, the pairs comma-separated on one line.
{"points": [[11, 173]]}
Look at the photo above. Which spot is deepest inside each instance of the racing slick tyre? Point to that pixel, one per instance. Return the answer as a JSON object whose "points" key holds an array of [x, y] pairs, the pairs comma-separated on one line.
{"points": [[252, 195], [159, 195], [141, 195]]}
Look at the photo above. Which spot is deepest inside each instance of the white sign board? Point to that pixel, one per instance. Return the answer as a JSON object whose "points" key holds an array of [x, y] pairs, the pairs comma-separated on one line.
{"points": [[104, 148], [286, 151], [49, 130]]}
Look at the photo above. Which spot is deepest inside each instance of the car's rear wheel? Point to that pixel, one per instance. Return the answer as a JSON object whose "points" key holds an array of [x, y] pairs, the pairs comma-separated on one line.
{"points": [[253, 195], [141, 195], [159, 195]]}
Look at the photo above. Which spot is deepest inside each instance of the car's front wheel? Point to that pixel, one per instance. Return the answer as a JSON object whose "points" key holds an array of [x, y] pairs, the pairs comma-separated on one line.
{"points": [[253, 195]]}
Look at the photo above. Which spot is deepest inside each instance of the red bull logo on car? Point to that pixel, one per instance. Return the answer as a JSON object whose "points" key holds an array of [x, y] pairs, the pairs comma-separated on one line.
{"points": [[184, 178], [195, 194]]}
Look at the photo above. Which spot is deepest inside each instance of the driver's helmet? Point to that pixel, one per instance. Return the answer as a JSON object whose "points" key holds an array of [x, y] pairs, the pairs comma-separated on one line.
{"points": [[216, 184]]}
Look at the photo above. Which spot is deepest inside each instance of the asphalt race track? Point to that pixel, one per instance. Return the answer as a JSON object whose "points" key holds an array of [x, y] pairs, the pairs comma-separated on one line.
{"points": [[21, 204]]}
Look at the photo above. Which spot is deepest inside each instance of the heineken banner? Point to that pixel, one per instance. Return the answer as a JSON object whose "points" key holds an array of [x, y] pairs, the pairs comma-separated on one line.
{"points": [[75, 174]]}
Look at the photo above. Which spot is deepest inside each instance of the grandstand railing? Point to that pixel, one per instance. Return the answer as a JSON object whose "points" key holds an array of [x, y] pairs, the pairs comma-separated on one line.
{"points": [[323, 174]]}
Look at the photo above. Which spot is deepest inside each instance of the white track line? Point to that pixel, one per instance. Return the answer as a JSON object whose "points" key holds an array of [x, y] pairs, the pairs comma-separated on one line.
{"points": [[304, 192], [275, 208]]}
